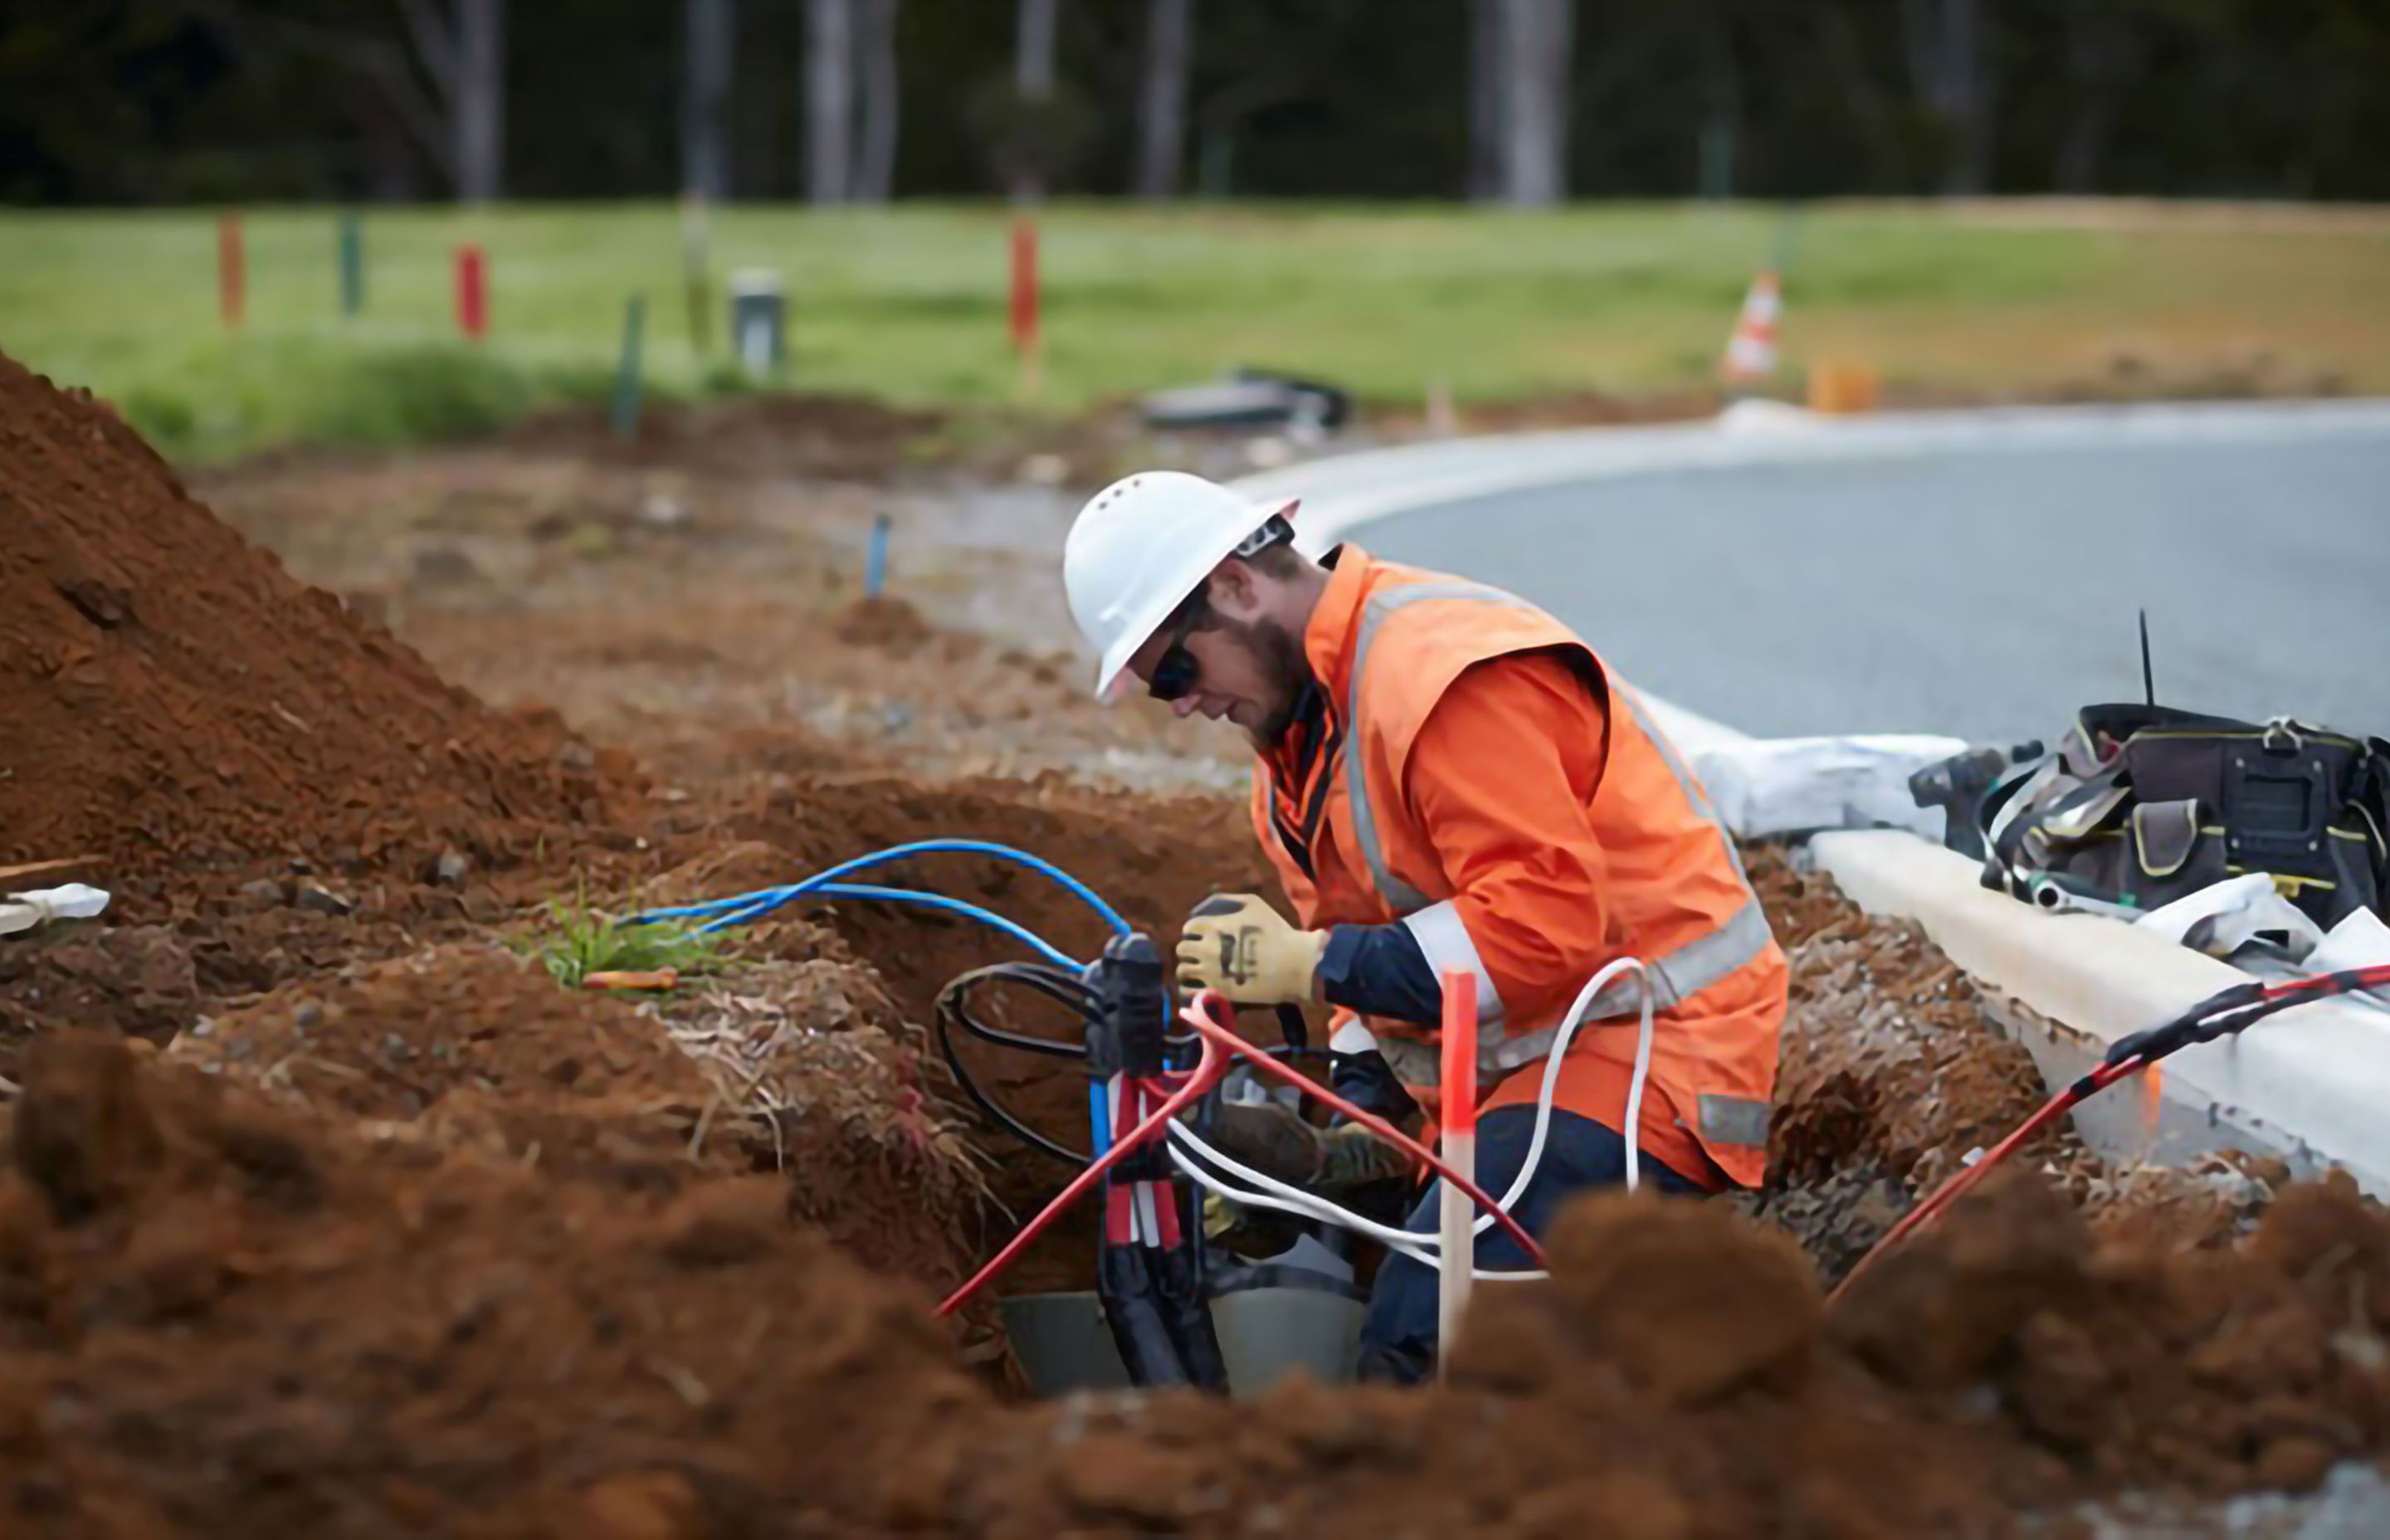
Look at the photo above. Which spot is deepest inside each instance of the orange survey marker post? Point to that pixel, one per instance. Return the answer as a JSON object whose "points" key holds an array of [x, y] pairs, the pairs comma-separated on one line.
{"points": [[1026, 340], [1457, 1215], [473, 292]]}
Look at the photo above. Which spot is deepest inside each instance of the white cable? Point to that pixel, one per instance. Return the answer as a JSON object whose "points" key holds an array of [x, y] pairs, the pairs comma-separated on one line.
{"points": [[1560, 1042], [1146, 1209], [1426, 1247], [1291, 1199]]}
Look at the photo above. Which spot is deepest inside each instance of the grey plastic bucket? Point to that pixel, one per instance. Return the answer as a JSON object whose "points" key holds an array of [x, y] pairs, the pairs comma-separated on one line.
{"points": [[1063, 1343]]}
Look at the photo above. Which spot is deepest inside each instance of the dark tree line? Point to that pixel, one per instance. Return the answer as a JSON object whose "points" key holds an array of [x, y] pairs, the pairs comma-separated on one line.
{"points": [[1515, 100]]}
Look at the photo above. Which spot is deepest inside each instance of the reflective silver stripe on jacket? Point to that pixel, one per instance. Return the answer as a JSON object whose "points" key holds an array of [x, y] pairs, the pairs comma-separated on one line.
{"points": [[1445, 942], [1683, 973]]}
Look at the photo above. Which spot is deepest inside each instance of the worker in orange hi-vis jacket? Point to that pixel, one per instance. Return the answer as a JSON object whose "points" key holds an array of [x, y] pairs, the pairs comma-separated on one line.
{"points": [[1444, 778]]}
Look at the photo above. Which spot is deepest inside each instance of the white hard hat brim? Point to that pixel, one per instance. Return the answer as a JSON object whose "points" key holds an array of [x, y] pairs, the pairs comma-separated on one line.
{"points": [[1112, 677]]}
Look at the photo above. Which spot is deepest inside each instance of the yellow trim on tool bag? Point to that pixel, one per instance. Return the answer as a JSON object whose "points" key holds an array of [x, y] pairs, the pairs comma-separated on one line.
{"points": [[2285, 880]]}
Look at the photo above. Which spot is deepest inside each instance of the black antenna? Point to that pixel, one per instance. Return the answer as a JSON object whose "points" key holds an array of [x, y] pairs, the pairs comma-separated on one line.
{"points": [[2149, 680]]}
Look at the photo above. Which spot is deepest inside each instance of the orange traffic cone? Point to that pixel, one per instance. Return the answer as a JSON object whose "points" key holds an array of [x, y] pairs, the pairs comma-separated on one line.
{"points": [[1751, 351]]}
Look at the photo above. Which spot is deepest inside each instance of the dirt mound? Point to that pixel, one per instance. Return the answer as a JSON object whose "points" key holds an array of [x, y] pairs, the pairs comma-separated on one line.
{"points": [[216, 1319], [1678, 1377], [792, 1065], [883, 622], [777, 434], [216, 1316], [176, 700], [471, 1048]]}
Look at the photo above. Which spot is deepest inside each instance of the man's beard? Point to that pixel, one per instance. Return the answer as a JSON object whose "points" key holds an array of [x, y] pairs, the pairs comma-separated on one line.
{"points": [[1280, 654]]}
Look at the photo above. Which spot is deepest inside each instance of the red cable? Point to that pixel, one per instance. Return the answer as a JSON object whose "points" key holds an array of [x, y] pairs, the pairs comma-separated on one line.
{"points": [[2376, 976], [1206, 1072], [1221, 1043], [2349, 982], [1216, 1035], [1924, 1213]]}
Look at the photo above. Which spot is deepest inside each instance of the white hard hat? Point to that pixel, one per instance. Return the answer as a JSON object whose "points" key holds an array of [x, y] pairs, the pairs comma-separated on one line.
{"points": [[1138, 548]]}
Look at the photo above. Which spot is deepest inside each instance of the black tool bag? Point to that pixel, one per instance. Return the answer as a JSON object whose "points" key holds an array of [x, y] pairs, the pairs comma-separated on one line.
{"points": [[2143, 805]]}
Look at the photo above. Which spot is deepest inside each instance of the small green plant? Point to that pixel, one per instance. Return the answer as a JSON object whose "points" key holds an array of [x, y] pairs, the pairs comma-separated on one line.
{"points": [[579, 939]]}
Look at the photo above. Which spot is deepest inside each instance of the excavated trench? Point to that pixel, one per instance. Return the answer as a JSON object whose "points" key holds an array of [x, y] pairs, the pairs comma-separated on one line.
{"points": [[327, 1210]]}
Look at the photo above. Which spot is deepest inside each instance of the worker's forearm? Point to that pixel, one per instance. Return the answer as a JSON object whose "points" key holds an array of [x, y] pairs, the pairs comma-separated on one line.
{"points": [[1380, 970]]}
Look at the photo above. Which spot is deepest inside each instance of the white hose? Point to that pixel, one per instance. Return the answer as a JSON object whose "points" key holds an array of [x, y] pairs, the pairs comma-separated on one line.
{"points": [[1425, 1248]]}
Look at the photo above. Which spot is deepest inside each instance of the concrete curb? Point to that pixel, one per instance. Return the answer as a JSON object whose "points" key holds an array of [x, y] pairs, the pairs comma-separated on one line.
{"points": [[2311, 1084]]}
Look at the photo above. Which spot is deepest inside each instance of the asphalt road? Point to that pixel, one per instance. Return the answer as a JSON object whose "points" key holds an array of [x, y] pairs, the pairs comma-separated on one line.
{"points": [[1981, 593]]}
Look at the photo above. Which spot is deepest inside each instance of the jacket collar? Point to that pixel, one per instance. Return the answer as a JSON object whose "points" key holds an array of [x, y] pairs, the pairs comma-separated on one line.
{"points": [[1330, 638]]}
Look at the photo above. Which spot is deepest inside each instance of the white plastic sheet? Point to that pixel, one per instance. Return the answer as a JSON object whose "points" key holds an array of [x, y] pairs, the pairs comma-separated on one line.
{"points": [[74, 901], [1797, 785]]}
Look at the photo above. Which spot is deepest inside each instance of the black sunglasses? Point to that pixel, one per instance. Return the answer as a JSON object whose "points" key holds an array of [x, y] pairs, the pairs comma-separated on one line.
{"points": [[1176, 670]]}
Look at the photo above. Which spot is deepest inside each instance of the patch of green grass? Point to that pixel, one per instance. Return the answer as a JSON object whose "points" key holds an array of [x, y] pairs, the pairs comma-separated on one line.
{"points": [[577, 940], [909, 304]]}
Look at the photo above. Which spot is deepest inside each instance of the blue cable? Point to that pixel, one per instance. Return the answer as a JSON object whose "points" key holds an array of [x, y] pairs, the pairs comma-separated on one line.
{"points": [[748, 905], [737, 909]]}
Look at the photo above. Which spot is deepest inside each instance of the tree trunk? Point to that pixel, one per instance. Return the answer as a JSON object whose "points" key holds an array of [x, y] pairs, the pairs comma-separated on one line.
{"points": [[705, 98], [1487, 110], [1032, 81], [1969, 106], [829, 99], [874, 160], [479, 106], [1536, 37], [1162, 107], [2079, 147], [1722, 124], [1946, 66]]}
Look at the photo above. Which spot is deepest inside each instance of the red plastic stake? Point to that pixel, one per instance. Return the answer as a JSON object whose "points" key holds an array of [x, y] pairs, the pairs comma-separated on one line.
{"points": [[1456, 1213], [473, 293], [1025, 341], [232, 270]]}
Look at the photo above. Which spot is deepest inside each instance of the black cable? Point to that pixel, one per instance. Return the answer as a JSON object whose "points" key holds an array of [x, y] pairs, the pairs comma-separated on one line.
{"points": [[1052, 983]]}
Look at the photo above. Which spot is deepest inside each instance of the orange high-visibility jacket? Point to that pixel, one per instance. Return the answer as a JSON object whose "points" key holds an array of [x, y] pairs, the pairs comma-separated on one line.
{"points": [[1386, 642]]}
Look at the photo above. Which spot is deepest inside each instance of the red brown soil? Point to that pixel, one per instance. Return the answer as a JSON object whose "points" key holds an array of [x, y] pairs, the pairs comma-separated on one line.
{"points": [[430, 1246], [219, 1317], [216, 1320], [177, 702], [884, 621], [470, 1049]]}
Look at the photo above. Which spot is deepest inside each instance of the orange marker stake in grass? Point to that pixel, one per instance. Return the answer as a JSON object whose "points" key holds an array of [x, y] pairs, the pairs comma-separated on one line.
{"points": [[1027, 340], [657, 977], [1455, 1214]]}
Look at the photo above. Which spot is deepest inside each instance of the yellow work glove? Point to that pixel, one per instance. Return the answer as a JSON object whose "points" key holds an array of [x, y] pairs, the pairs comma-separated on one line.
{"points": [[1238, 944]]}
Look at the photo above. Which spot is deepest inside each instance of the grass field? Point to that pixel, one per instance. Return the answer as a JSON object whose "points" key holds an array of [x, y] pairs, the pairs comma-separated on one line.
{"points": [[909, 305]]}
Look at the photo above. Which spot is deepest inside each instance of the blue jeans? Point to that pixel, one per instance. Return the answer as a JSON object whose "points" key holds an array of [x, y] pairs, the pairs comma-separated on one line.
{"points": [[1399, 1334]]}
